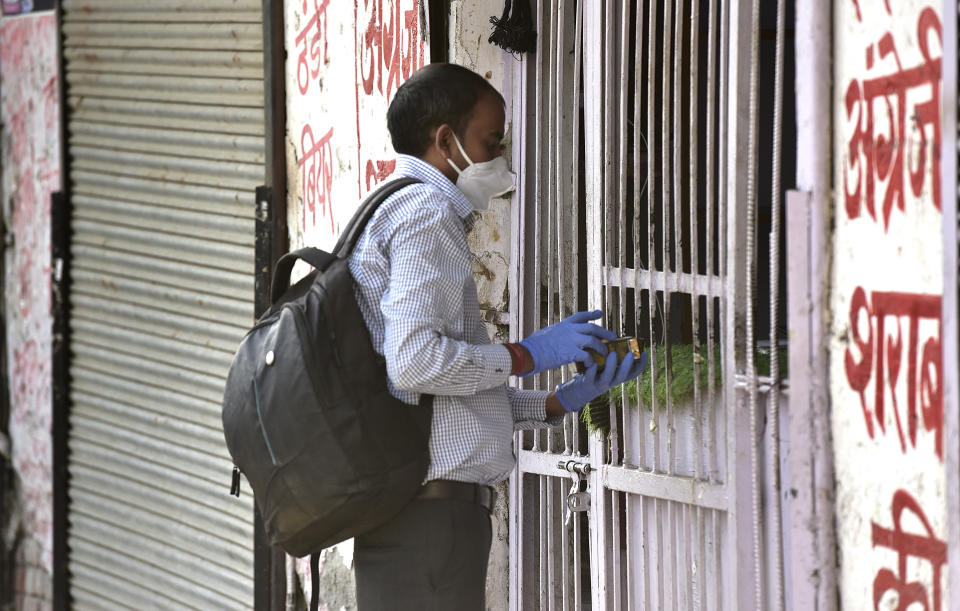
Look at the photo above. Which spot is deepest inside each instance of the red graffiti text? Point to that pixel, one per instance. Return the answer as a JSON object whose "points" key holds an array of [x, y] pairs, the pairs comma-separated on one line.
{"points": [[879, 144], [389, 50], [856, 6], [378, 171], [389, 46], [925, 546], [879, 337], [308, 70], [316, 160]]}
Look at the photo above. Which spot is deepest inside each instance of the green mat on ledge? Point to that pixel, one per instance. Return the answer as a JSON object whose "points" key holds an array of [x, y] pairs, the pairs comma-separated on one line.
{"points": [[596, 415]]}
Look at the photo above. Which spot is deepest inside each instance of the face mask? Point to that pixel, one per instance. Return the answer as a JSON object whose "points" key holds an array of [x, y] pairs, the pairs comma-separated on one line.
{"points": [[481, 182]]}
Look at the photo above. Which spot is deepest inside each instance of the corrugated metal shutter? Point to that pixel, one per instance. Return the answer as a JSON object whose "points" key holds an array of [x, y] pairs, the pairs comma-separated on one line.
{"points": [[166, 145]]}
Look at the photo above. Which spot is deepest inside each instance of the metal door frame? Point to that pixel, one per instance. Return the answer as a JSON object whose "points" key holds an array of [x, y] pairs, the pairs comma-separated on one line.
{"points": [[951, 285], [811, 569], [527, 84], [272, 241]]}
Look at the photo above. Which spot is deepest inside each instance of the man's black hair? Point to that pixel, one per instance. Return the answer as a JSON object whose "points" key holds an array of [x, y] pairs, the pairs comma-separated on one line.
{"points": [[436, 94]]}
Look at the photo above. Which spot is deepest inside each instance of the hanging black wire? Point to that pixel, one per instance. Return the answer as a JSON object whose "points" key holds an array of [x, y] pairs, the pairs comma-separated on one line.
{"points": [[513, 31]]}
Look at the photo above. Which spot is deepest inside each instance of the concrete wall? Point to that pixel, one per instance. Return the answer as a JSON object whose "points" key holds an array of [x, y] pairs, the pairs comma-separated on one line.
{"points": [[344, 62], [886, 285], [30, 149], [490, 238]]}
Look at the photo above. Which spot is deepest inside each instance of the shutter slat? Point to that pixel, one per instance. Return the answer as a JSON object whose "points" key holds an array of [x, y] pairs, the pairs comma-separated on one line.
{"points": [[212, 64], [204, 118], [158, 402], [179, 221], [191, 496], [163, 10], [227, 284], [157, 521], [124, 366], [103, 487], [224, 175], [183, 90], [161, 350], [159, 303], [222, 36], [211, 200], [166, 245], [146, 575], [156, 140]]}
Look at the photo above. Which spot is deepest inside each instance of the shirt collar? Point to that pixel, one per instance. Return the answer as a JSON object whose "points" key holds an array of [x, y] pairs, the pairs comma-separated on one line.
{"points": [[408, 165]]}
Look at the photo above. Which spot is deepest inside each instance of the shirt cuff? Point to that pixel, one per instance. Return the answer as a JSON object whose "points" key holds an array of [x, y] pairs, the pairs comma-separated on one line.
{"points": [[496, 363], [530, 409]]}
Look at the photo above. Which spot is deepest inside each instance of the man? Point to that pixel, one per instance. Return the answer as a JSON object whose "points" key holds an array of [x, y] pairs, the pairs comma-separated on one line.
{"points": [[416, 290]]}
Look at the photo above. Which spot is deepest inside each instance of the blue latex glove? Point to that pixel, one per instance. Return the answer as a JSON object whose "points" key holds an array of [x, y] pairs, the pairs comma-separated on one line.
{"points": [[576, 393], [564, 342]]}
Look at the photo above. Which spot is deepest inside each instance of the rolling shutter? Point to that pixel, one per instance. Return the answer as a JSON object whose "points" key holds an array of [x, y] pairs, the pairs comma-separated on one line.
{"points": [[166, 145]]}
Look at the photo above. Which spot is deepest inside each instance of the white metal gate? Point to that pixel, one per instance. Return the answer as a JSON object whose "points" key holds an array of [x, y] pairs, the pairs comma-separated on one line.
{"points": [[166, 145], [647, 196]]}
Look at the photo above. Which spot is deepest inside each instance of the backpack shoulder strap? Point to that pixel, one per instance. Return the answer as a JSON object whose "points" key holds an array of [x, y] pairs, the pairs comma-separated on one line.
{"points": [[314, 581], [354, 229]]}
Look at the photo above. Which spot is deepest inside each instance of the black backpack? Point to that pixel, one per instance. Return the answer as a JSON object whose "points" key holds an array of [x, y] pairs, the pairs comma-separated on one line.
{"points": [[307, 416]]}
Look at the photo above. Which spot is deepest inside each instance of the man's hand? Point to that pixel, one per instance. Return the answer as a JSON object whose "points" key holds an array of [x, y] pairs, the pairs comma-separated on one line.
{"points": [[565, 342], [574, 394]]}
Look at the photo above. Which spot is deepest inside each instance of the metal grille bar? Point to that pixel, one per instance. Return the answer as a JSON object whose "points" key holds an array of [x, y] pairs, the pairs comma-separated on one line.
{"points": [[549, 555]]}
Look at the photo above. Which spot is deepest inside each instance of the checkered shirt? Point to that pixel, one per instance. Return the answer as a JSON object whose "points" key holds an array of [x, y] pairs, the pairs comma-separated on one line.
{"points": [[415, 287]]}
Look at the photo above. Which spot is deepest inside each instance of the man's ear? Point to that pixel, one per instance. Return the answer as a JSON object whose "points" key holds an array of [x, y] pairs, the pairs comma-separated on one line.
{"points": [[443, 141]]}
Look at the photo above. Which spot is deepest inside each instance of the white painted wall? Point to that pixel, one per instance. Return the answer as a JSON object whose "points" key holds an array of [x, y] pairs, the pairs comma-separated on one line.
{"points": [[490, 238], [30, 116], [886, 283], [344, 62]]}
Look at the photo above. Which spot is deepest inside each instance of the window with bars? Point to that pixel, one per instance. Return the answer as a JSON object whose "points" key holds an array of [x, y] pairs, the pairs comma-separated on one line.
{"points": [[658, 142]]}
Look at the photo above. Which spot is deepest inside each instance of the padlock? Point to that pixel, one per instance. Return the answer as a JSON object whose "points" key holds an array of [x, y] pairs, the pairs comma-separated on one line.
{"points": [[578, 501]]}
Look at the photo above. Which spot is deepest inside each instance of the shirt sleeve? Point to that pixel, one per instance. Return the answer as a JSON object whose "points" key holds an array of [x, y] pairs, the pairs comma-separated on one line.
{"points": [[530, 409], [429, 264]]}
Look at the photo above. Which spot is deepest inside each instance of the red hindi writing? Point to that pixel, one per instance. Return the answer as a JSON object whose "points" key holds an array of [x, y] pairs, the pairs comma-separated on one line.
{"points": [[316, 159], [877, 332], [379, 172], [924, 546], [309, 69], [885, 111], [389, 48], [390, 45], [856, 6]]}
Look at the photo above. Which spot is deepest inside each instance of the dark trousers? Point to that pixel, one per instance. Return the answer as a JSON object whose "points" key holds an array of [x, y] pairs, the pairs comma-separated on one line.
{"points": [[431, 557]]}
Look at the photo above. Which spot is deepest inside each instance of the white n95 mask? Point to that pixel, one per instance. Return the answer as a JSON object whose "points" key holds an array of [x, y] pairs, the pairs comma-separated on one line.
{"points": [[483, 181]]}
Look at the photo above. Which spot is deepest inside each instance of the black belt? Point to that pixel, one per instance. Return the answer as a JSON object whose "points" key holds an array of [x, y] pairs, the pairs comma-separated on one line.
{"points": [[482, 495]]}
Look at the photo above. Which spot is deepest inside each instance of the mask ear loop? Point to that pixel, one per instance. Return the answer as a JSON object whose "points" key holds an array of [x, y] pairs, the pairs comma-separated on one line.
{"points": [[462, 152]]}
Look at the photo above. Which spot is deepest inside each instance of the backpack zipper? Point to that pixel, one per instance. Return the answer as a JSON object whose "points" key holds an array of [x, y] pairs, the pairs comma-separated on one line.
{"points": [[235, 482], [331, 334]]}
